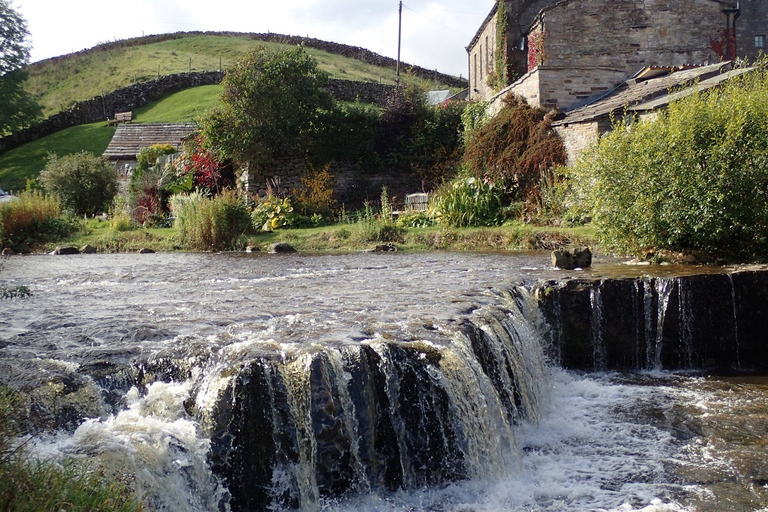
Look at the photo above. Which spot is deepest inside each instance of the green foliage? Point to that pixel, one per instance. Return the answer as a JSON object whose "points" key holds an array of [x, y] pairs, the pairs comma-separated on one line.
{"points": [[17, 108], [469, 202], [206, 224], [415, 220], [474, 116], [33, 219], [273, 213], [84, 183], [695, 179], [153, 180], [515, 148], [372, 226], [272, 102]]}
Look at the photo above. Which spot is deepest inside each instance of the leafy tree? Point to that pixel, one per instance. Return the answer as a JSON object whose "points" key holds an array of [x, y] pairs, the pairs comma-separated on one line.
{"points": [[84, 183], [272, 105], [17, 108], [693, 180]]}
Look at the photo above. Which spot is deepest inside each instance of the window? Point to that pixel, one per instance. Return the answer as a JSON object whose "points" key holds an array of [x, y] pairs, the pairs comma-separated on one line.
{"points": [[475, 73], [481, 62], [760, 41]]}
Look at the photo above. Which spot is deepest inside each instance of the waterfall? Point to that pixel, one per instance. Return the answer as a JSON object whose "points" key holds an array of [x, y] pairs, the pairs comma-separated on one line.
{"points": [[663, 291], [597, 327], [295, 428], [735, 320], [685, 314]]}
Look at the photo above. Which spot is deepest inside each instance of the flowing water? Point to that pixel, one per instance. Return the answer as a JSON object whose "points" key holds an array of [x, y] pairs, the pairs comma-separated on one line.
{"points": [[161, 353]]}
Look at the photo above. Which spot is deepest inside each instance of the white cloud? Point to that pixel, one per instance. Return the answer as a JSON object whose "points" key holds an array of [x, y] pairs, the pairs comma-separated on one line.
{"points": [[435, 32]]}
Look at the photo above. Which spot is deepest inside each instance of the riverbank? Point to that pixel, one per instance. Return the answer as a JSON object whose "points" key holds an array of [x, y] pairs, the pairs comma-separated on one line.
{"points": [[340, 238]]}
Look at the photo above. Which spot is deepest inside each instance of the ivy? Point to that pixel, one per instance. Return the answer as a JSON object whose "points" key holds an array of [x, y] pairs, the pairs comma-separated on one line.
{"points": [[502, 23]]}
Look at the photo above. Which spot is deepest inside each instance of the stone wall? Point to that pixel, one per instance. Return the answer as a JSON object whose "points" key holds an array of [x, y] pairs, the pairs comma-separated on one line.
{"points": [[752, 22], [631, 34], [577, 137], [354, 184], [482, 60], [138, 95]]}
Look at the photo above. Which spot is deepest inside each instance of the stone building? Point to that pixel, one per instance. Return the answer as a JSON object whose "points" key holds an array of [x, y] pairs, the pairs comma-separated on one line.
{"points": [[563, 53]]}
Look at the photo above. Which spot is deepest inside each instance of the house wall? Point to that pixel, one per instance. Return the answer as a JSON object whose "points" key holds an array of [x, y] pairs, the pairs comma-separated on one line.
{"points": [[752, 22], [632, 34], [482, 61], [577, 137]]}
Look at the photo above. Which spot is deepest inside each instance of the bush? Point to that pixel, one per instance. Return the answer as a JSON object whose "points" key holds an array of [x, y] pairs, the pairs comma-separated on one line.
{"points": [[151, 183], [217, 223], [84, 183], [696, 179], [469, 202], [34, 218], [273, 213], [316, 193], [515, 148]]}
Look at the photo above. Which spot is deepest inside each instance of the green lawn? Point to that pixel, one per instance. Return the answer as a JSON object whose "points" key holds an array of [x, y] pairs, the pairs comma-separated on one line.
{"points": [[27, 161]]}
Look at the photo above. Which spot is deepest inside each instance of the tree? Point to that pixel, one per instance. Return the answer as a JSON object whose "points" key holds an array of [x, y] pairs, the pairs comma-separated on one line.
{"points": [[17, 108], [84, 183], [272, 104]]}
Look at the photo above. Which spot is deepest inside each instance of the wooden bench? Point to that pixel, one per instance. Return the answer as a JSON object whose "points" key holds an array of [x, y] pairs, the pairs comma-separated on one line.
{"points": [[121, 117]]}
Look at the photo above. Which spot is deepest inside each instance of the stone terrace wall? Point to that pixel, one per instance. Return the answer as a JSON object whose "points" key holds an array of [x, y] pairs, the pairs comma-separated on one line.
{"points": [[137, 95]]}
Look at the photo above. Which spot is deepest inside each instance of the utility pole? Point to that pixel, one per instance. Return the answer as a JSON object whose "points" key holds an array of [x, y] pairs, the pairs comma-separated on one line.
{"points": [[399, 40]]}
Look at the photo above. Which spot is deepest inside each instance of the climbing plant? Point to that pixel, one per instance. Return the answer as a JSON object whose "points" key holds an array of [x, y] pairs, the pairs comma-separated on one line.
{"points": [[500, 72]]}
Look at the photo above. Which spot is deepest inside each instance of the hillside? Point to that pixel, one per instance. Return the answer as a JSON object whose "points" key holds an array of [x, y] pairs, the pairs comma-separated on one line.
{"points": [[59, 83]]}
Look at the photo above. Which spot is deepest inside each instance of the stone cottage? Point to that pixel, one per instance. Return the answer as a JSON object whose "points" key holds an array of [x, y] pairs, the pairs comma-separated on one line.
{"points": [[562, 53]]}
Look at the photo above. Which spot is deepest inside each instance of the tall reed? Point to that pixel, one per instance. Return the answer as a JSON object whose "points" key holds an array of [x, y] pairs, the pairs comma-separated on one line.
{"points": [[206, 224]]}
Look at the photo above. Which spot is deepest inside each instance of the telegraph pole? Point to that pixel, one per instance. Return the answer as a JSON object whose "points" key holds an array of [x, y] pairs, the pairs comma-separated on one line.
{"points": [[399, 40]]}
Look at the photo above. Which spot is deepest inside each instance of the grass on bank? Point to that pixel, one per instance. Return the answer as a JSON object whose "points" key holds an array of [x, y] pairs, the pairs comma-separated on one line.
{"points": [[340, 238]]}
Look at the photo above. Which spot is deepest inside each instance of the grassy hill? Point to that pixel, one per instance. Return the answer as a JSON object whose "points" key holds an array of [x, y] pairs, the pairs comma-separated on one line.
{"points": [[60, 82]]}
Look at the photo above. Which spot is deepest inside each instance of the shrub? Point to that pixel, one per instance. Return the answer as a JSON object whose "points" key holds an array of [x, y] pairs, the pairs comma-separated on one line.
{"points": [[33, 219], [272, 213], [84, 183], [217, 223], [694, 179], [151, 183], [468, 202], [515, 148], [316, 193]]}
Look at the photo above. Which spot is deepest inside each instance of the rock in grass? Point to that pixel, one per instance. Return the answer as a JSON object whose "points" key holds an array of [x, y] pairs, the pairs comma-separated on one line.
{"points": [[281, 247]]}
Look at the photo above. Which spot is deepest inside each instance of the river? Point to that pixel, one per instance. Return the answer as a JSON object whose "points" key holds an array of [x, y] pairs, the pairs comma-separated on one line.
{"points": [[144, 348]]}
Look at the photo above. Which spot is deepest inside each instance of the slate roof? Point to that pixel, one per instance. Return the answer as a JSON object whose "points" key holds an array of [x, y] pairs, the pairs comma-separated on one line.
{"points": [[129, 139], [642, 94]]}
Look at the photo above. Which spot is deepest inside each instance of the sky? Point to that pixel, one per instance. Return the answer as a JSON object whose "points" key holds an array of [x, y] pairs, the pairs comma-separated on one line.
{"points": [[435, 33]]}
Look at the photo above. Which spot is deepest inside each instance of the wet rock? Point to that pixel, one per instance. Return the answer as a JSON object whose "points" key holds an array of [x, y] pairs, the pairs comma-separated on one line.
{"points": [[561, 258], [281, 247], [88, 249], [388, 247], [146, 251], [66, 251], [252, 248], [8, 252], [580, 257]]}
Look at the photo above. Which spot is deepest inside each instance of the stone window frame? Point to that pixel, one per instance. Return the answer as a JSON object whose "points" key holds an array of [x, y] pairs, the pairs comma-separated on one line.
{"points": [[760, 41]]}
